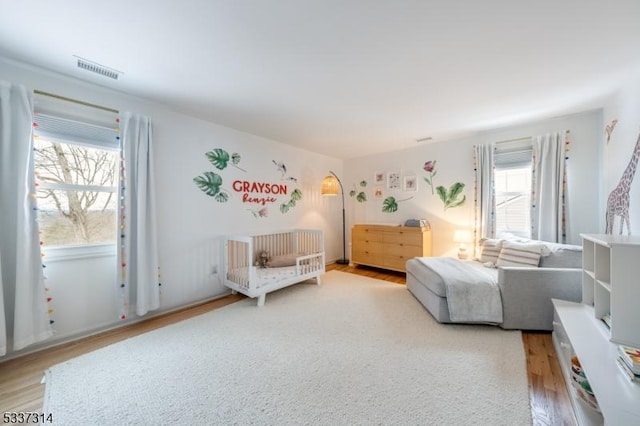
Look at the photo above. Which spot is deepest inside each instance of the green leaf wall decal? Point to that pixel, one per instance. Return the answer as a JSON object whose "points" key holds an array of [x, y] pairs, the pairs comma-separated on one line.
{"points": [[222, 197], [389, 205], [209, 183], [450, 197], [219, 158]]}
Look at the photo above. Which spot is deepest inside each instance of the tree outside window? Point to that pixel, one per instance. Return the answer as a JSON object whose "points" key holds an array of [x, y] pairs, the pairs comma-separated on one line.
{"points": [[77, 193]]}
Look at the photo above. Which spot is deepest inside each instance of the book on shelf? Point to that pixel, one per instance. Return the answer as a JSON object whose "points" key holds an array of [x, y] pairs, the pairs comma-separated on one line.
{"points": [[606, 318], [631, 357], [627, 371]]}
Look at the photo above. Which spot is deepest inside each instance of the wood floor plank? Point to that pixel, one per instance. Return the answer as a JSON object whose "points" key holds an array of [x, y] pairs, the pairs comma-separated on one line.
{"points": [[20, 388]]}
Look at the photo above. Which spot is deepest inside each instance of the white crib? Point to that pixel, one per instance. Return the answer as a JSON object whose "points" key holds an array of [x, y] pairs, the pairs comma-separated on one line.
{"points": [[241, 274]]}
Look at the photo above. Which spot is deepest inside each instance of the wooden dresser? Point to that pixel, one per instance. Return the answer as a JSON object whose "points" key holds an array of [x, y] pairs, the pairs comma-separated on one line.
{"points": [[388, 246]]}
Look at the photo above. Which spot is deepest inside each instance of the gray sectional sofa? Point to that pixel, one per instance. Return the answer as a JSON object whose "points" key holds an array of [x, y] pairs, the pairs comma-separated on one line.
{"points": [[526, 292]]}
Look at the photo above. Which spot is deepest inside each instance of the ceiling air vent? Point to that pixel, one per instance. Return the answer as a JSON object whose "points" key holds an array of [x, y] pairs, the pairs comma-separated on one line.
{"points": [[97, 68]]}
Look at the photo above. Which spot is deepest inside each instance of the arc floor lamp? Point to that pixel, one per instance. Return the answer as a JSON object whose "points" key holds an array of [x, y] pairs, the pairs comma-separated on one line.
{"points": [[331, 185]]}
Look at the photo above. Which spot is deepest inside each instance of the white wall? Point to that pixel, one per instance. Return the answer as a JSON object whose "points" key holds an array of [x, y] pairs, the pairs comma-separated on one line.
{"points": [[454, 163], [190, 222], [624, 107]]}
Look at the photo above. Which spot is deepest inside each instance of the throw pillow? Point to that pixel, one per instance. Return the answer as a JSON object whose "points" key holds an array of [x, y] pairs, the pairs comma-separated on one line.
{"points": [[490, 250], [520, 254], [281, 261]]}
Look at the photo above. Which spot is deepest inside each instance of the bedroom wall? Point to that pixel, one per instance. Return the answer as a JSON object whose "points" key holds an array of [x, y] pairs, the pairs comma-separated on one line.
{"points": [[454, 163], [190, 222], [620, 140]]}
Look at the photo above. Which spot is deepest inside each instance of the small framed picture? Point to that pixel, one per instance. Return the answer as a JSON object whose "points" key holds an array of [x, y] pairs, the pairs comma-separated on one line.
{"points": [[378, 178], [393, 180], [410, 183], [377, 192]]}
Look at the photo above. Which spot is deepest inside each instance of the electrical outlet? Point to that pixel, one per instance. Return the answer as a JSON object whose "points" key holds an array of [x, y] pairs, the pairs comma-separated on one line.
{"points": [[214, 269]]}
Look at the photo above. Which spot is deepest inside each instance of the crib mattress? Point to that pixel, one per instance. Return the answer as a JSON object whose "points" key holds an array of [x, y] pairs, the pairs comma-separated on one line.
{"points": [[265, 276], [268, 276]]}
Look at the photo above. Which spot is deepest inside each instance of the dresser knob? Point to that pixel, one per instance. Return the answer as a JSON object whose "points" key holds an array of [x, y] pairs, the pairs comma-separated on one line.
{"points": [[556, 323], [565, 345]]}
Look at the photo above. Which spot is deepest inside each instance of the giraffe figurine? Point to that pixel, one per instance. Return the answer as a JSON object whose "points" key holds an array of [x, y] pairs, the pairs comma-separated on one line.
{"points": [[618, 201]]}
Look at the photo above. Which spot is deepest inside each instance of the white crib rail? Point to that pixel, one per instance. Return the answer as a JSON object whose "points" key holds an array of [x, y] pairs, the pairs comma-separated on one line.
{"points": [[239, 263], [309, 263]]}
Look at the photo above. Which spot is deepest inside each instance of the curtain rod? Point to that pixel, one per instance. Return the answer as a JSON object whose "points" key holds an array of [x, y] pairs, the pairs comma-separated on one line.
{"points": [[524, 138], [75, 101], [514, 140]]}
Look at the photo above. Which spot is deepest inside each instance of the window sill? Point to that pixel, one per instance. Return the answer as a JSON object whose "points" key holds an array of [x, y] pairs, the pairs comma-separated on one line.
{"points": [[63, 253]]}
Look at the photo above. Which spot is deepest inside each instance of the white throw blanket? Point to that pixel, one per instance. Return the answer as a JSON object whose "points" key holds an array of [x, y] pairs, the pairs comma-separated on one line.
{"points": [[472, 294]]}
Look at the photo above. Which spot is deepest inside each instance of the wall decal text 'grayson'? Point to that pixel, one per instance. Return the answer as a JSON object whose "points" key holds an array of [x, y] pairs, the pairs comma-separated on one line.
{"points": [[249, 187]]}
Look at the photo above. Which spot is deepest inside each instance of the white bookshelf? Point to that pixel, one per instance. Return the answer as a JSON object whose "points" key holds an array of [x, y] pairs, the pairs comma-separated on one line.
{"points": [[610, 285]]}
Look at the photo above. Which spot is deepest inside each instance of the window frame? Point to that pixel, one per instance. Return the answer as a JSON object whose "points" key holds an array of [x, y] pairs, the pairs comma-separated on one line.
{"points": [[70, 133]]}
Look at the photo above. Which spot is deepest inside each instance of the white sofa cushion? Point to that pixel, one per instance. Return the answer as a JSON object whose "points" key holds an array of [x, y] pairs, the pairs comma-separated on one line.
{"points": [[555, 255], [562, 256]]}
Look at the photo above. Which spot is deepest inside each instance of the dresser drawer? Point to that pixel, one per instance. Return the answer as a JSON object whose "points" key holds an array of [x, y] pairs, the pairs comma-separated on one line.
{"points": [[366, 234], [368, 246], [406, 238], [395, 262], [366, 257], [402, 250]]}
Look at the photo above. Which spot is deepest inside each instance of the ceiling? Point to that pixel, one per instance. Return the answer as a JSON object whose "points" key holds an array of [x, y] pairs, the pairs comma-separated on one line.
{"points": [[345, 78]]}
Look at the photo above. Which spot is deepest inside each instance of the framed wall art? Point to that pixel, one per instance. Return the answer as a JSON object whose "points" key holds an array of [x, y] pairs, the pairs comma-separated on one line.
{"points": [[393, 180], [410, 183]]}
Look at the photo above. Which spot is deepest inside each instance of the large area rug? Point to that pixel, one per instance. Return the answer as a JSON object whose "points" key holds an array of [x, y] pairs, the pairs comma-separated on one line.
{"points": [[353, 351]]}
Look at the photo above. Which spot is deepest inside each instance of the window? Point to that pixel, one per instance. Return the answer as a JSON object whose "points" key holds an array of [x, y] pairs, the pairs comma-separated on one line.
{"points": [[512, 179], [76, 166], [513, 200]]}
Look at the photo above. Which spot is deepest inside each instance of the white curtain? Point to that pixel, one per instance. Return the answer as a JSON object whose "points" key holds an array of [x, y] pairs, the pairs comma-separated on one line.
{"points": [[3, 322], [25, 314], [138, 254], [485, 218], [548, 201]]}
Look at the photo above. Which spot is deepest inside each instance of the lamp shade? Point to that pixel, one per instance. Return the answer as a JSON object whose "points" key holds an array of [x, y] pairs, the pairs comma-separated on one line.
{"points": [[462, 236], [330, 186]]}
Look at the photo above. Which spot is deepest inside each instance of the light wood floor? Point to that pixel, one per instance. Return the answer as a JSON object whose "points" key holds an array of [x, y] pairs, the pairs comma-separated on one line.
{"points": [[20, 388]]}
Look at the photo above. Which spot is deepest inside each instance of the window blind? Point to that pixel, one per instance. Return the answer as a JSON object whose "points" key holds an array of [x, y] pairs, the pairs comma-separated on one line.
{"points": [[510, 154], [66, 121]]}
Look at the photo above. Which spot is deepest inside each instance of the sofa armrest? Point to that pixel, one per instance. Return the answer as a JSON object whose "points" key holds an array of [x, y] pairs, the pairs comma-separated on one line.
{"points": [[527, 293]]}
